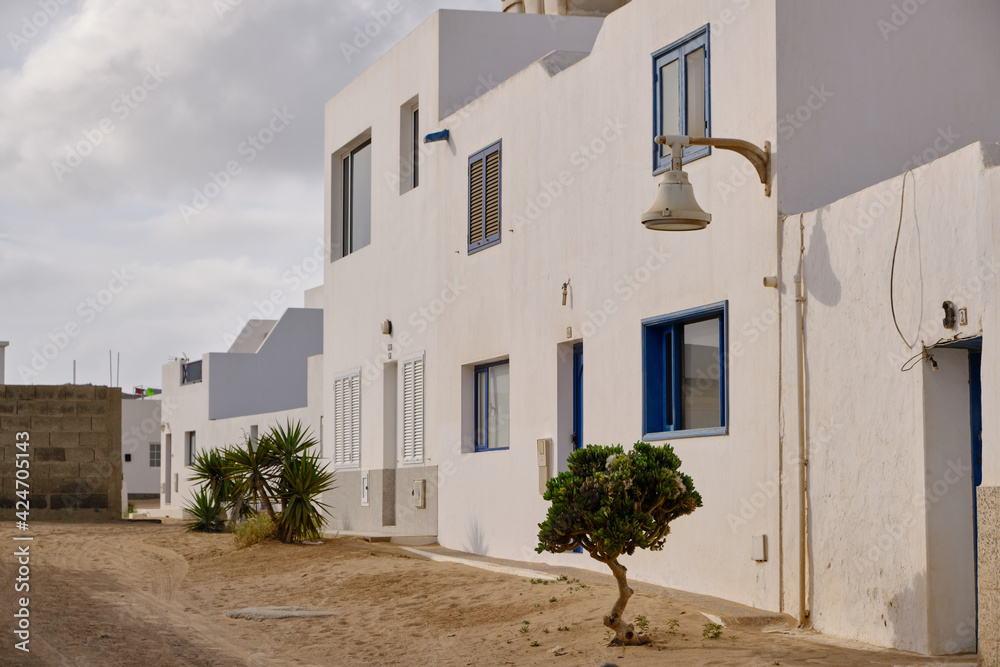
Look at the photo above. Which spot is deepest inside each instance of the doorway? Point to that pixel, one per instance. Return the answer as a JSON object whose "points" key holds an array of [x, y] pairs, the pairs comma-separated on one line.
{"points": [[578, 440], [167, 466]]}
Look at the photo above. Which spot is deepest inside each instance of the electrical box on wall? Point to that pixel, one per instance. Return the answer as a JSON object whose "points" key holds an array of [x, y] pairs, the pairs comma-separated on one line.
{"points": [[758, 548], [419, 494], [364, 488], [542, 451]]}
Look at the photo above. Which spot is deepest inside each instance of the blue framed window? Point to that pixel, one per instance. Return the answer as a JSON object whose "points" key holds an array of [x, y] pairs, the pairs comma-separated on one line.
{"points": [[681, 95], [493, 406], [684, 374], [484, 198]]}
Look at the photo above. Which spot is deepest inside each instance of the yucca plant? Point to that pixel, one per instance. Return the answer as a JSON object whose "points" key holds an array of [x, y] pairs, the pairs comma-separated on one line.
{"points": [[206, 512], [252, 471], [303, 481]]}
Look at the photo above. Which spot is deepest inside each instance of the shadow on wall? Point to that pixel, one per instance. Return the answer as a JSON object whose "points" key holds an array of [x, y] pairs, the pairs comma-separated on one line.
{"points": [[476, 535], [821, 281], [898, 614]]}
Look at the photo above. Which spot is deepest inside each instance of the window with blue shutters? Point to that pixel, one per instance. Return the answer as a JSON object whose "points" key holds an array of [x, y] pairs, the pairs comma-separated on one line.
{"points": [[484, 198], [681, 95], [684, 374]]}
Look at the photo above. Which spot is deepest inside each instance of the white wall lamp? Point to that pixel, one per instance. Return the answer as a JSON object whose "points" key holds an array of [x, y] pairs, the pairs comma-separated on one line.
{"points": [[675, 208]]}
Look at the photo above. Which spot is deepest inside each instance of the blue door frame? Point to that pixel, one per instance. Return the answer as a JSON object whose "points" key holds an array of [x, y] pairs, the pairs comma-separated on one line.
{"points": [[578, 441]]}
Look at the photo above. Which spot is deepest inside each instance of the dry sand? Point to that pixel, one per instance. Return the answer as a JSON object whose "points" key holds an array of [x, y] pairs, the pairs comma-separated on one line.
{"points": [[152, 595]]}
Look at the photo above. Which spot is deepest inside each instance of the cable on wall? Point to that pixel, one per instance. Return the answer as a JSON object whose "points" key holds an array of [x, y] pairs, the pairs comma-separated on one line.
{"points": [[892, 273]]}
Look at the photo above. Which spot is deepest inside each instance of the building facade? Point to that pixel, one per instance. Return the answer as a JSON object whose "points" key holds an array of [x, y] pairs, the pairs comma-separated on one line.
{"points": [[491, 292]]}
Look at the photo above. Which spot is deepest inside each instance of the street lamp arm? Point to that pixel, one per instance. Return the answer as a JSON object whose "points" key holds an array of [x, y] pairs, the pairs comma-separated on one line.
{"points": [[760, 159]]}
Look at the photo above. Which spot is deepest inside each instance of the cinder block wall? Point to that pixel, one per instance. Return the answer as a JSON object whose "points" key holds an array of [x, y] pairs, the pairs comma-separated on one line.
{"points": [[988, 498], [75, 451]]}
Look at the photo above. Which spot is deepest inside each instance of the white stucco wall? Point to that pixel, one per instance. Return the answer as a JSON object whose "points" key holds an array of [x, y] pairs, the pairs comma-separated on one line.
{"points": [[140, 427], [890, 496], [575, 177]]}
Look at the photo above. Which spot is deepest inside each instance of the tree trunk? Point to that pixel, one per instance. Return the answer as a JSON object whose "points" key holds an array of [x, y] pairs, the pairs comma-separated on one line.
{"points": [[624, 632]]}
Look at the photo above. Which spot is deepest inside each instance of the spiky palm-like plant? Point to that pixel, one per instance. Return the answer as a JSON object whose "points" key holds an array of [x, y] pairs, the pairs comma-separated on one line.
{"points": [[206, 512], [303, 481]]}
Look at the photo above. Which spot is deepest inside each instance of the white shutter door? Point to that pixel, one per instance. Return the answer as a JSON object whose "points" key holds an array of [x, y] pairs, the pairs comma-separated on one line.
{"points": [[413, 411], [355, 408], [338, 422]]}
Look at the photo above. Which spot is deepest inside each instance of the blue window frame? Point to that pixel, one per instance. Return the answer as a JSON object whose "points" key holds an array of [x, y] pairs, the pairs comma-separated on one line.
{"points": [[681, 95], [484, 198], [492, 420], [684, 374]]}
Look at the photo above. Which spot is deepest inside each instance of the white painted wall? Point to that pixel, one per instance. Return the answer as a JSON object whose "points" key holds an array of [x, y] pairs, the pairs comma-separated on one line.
{"points": [[140, 427], [285, 371], [576, 175], [890, 494]]}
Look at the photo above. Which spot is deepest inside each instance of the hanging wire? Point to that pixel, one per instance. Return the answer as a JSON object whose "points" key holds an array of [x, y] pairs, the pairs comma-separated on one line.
{"points": [[924, 355], [892, 274]]}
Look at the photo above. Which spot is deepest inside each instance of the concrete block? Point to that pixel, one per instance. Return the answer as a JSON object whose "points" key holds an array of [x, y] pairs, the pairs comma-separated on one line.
{"points": [[7, 502], [8, 406], [96, 471], [92, 501], [54, 469], [989, 653], [19, 391], [15, 423], [79, 454], [103, 454], [94, 440], [91, 407], [64, 439], [50, 391], [99, 424], [101, 393], [32, 406], [45, 423], [63, 407], [50, 454], [38, 501], [79, 392]]}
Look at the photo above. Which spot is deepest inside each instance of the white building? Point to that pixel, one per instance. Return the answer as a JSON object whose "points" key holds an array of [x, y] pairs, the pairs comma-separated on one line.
{"points": [[271, 374], [471, 288], [141, 446]]}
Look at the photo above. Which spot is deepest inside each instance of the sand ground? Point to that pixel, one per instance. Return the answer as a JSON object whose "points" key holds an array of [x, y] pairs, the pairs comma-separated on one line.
{"points": [[151, 595]]}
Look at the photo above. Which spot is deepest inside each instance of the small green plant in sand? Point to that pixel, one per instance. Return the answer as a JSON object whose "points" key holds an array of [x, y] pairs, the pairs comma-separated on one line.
{"points": [[711, 630], [258, 528]]}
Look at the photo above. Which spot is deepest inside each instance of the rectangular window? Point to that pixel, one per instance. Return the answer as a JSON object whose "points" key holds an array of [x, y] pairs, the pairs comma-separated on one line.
{"points": [[684, 374], [681, 95], [357, 196], [253, 435], [190, 449], [484, 198], [493, 406], [413, 411], [415, 145], [347, 421], [191, 372], [409, 145], [154, 455]]}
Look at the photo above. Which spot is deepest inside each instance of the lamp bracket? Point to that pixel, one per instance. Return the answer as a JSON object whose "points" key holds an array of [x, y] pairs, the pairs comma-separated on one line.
{"points": [[759, 158]]}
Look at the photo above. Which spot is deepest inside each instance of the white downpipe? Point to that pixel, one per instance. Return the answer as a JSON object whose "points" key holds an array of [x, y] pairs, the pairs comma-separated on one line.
{"points": [[800, 316]]}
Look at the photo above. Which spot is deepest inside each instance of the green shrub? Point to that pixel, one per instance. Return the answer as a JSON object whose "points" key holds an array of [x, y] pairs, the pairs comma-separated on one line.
{"points": [[206, 512], [611, 503], [255, 529]]}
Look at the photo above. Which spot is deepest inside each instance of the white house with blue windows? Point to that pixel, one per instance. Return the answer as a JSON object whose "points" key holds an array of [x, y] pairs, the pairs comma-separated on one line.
{"points": [[493, 300]]}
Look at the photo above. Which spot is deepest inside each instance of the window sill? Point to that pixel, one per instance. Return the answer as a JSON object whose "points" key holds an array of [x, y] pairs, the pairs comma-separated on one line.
{"points": [[412, 464], [690, 433], [694, 156], [490, 449], [351, 466]]}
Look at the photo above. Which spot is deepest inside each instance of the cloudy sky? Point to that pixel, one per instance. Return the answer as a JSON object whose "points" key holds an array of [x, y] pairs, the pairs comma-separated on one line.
{"points": [[120, 228]]}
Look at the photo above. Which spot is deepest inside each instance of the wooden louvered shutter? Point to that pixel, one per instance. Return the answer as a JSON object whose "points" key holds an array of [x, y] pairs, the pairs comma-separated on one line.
{"points": [[484, 198], [347, 421], [413, 411]]}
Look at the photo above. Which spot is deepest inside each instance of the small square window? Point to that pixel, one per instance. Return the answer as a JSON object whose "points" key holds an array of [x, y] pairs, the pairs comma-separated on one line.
{"points": [[128, 458], [681, 95], [684, 374], [492, 419]]}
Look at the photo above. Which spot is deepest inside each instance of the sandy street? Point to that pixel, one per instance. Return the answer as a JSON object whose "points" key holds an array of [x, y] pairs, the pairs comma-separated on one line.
{"points": [[151, 595]]}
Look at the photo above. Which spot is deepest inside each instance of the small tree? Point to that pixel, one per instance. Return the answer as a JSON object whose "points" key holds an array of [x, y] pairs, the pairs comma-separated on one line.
{"points": [[611, 503]]}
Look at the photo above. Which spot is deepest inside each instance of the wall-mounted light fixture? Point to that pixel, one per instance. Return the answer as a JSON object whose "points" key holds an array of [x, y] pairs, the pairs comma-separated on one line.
{"points": [[387, 327], [565, 290], [675, 208]]}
